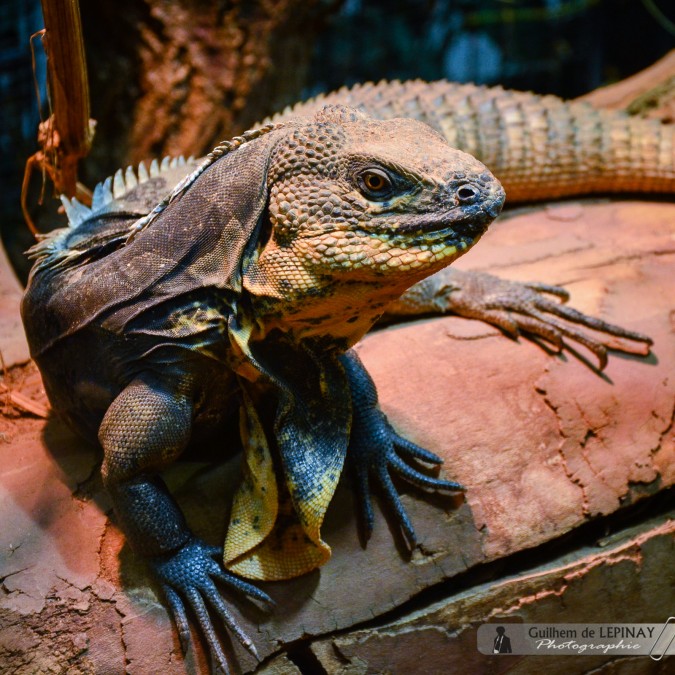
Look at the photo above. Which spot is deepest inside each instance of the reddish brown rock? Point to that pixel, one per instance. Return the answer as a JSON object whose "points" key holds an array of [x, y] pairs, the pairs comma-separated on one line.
{"points": [[13, 345], [649, 93], [543, 443], [622, 579]]}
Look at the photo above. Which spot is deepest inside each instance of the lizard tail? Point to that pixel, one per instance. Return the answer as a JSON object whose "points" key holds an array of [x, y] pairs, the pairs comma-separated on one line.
{"points": [[539, 147]]}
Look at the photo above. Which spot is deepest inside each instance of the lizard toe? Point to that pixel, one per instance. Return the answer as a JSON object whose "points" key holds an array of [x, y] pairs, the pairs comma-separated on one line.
{"points": [[377, 451], [187, 578]]}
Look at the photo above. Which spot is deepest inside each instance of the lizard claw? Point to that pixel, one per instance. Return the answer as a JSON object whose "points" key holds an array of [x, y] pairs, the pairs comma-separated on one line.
{"points": [[524, 307], [187, 579], [376, 450]]}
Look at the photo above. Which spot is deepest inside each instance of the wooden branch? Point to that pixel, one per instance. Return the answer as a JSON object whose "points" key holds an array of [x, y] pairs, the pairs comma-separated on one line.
{"points": [[68, 88], [23, 403], [649, 93]]}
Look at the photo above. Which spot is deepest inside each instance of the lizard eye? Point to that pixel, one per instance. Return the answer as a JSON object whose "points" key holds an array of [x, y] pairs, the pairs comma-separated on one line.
{"points": [[375, 184]]}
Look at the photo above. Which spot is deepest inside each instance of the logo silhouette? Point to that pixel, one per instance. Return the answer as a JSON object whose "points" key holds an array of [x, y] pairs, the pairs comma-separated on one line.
{"points": [[502, 642]]}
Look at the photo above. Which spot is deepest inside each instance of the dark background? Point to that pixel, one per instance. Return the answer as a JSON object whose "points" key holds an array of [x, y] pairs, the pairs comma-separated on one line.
{"points": [[564, 47]]}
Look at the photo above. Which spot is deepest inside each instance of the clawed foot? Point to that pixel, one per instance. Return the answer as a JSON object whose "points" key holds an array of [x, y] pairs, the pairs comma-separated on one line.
{"points": [[525, 307], [376, 450], [187, 578]]}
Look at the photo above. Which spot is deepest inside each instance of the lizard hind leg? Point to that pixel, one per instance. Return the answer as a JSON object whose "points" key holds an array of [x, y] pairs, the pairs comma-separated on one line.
{"points": [[146, 427], [376, 451]]}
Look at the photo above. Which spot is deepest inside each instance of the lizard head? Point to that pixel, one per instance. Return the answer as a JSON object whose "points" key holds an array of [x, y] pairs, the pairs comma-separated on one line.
{"points": [[359, 210]]}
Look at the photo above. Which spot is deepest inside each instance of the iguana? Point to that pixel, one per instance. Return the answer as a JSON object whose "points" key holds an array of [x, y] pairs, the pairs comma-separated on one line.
{"points": [[242, 282]]}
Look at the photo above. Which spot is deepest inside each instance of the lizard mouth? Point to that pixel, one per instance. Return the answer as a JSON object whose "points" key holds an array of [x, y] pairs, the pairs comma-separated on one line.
{"points": [[464, 222], [457, 224]]}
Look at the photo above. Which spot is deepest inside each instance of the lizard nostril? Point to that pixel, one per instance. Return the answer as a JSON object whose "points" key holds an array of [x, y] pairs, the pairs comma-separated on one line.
{"points": [[467, 193]]}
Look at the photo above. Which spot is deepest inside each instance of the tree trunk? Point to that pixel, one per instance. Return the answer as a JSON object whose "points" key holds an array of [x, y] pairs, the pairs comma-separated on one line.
{"points": [[177, 77]]}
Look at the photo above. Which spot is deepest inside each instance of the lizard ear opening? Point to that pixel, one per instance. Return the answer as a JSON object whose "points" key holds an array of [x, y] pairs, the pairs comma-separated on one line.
{"points": [[211, 228], [257, 243], [182, 186]]}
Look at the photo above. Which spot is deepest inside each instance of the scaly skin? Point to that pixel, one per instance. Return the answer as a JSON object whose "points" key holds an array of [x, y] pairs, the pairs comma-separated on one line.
{"points": [[357, 254], [245, 287], [539, 147]]}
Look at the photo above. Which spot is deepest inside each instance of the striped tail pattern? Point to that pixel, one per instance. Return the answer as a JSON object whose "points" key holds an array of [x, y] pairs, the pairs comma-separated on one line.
{"points": [[540, 147]]}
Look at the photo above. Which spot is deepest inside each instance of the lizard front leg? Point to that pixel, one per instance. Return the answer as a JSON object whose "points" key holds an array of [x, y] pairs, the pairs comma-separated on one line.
{"points": [[510, 305], [376, 450], [146, 427]]}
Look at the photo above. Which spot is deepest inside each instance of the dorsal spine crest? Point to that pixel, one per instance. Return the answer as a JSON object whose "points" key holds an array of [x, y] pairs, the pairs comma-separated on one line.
{"points": [[222, 149]]}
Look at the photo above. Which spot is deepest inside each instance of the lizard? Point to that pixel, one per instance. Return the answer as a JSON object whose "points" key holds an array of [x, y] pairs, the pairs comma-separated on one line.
{"points": [[246, 286], [539, 147]]}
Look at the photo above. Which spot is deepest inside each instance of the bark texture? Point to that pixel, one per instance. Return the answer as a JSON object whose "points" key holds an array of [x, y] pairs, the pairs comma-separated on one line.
{"points": [[649, 93], [177, 77], [628, 573]]}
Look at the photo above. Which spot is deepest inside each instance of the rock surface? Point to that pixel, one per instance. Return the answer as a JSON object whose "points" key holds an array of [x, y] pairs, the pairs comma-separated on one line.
{"points": [[13, 346], [632, 573], [543, 443]]}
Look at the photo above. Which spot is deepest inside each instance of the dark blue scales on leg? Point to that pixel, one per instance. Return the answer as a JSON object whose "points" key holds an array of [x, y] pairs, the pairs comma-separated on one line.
{"points": [[376, 452]]}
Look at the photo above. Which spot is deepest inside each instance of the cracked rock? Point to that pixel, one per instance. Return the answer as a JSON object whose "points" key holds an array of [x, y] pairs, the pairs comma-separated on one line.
{"points": [[543, 444]]}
